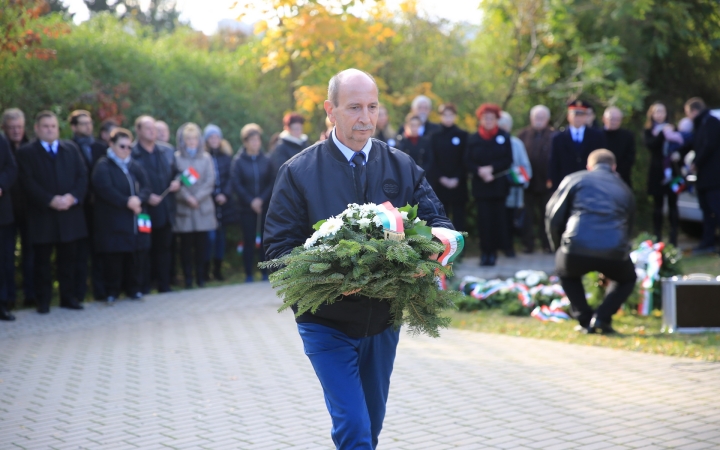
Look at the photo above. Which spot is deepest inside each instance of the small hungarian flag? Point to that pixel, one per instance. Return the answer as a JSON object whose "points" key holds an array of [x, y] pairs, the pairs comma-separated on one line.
{"points": [[189, 176], [677, 184], [144, 224], [519, 175]]}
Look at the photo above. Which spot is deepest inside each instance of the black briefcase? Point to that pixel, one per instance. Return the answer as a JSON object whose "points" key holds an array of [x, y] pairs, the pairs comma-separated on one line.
{"points": [[691, 304]]}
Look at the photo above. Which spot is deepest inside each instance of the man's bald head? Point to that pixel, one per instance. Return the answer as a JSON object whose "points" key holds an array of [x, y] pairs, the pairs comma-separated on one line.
{"points": [[612, 118], [353, 77]]}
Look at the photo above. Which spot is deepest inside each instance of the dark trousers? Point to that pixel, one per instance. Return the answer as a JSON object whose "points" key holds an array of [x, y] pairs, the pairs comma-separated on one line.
{"points": [[86, 254], [355, 377], [510, 230], [534, 225], [27, 265], [82, 257], [122, 271], [710, 206], [571, 268], [250, 230], [159, 260], [216, 244], [192, 253], [491, 224], [457, 212], [7, 265], [65, 266], [673, 214]]}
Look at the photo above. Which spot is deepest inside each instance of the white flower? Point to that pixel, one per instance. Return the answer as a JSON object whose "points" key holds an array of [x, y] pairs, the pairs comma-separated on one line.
{"points": [[364, 223], [367, 209], [532, 280], [378, 221], [310, 242], [404, 215], [330, 227], [417, 219]]}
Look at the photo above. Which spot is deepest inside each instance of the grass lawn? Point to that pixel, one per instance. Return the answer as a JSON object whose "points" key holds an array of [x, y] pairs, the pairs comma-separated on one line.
{"points": [[636, 333], [709, 264]]}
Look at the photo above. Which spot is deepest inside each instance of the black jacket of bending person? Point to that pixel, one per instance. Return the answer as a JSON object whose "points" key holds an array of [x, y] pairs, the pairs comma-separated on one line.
{"points": [[318, 183], [591, 214], [116, 227]]}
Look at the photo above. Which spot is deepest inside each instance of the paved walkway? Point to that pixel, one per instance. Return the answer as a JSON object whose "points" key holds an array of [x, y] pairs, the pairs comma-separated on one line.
{"points": [[220, 369]]}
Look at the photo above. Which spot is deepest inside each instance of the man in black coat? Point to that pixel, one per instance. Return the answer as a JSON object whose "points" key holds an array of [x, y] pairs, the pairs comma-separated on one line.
{"points": [[621, 142], [350, 343], [153, 157], [8, 177], [13, 125], [421, 107], [81, 124], [706, 143], [589, 222], [292, 140], [570, 149], [55, 181]]}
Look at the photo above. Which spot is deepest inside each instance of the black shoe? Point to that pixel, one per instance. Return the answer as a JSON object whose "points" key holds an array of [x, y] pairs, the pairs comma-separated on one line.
{"points": [[136, 296], [703, 250], [528, 251], [110, 300], [29, 303], [484, 260], [510, 253], [217, 270], [598, 326], [492, 259], [548, 251], [43, 310], [72, 304], [6, 315], [201, 283]]}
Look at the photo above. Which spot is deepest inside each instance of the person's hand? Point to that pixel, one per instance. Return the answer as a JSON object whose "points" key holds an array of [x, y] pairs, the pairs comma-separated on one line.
{"points": [[693, 169], [486, 173], [174, 185], [69, 200], [135, 204], [57, 203], [220, 199], [444, 181], [548, 184], [452, 183], [257, 205], [675, 156], [154, 200], [0, 192], [192, 202]]}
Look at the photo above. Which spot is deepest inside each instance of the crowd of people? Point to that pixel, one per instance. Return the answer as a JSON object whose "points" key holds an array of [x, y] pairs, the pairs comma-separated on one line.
{"points": [[127, 203]]}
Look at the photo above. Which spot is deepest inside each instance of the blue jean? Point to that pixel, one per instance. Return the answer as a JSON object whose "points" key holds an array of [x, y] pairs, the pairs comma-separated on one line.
{"points": [[216, 244], [355, 377]]}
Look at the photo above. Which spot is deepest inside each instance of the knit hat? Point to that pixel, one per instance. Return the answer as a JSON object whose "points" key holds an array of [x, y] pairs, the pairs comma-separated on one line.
{"points": [[212, 130]]}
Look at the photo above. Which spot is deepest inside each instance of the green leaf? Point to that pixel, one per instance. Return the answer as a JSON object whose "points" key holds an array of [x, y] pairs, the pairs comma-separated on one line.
{"points": [[420, 230], [319, 224]]}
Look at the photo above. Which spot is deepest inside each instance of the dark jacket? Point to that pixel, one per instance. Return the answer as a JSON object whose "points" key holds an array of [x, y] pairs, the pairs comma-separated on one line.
{"points": [[44, 177], [420, 152], [568, 157], [706, 143], [286, 149], [591, 214], [19, 202], [448, 148], [160, 172], [318, 184], [116, 226], [222, 160], [97, 150], [622, 143], [251, 177], [655, 146], [496, 152], [538, 145], [8, 178]]}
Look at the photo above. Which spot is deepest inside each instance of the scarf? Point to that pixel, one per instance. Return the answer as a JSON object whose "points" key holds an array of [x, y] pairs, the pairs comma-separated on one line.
{"points": [[413, 139], [84, 142], [191, 152], [487, 134], [122, 163]]}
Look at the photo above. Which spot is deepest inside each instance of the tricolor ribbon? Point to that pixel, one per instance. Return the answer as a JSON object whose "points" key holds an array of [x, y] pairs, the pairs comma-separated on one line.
{"points": [[391, 218], [453, 242]]}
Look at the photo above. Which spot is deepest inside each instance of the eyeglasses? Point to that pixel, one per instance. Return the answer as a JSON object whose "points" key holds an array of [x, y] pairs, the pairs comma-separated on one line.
{"points": [[124, 146]]}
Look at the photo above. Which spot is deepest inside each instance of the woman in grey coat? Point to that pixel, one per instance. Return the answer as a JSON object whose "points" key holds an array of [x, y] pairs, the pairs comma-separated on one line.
{"points": [[515, 203], [195, 214]]}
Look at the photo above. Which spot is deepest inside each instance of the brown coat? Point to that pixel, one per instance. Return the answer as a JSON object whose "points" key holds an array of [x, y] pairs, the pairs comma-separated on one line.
{"points": [[539, 146], [188, 219]]}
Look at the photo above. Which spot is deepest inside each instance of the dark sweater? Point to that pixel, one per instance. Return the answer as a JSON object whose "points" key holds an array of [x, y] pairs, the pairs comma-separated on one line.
{"points": [[622, 143]]}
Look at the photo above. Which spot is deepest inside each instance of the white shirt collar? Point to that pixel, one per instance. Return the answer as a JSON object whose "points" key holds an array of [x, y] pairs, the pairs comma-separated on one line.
{"points": [[50, 146], [348, 152], [579, 132]]}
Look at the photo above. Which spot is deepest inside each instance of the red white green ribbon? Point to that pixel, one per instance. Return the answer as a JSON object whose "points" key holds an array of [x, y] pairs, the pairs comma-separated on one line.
{"points": [[453, 241], [189, 176], [391, 218], [519, 175]]}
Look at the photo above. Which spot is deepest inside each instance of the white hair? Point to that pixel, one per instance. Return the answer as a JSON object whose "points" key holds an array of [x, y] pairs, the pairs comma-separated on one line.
{"points": [[420, 99], [505, 121], [537, 108]]}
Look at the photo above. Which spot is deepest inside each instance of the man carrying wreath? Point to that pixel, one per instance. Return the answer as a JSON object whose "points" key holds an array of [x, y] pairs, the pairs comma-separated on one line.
{"points": [[350, 343]]}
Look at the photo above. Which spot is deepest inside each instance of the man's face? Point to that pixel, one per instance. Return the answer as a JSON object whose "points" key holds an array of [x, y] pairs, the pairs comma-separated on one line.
{"points": [[447, 118], [296, 129], [47, 129], [15, 130], [162, 132], [422, 109], [84, 126], [356, 113], [577, 118], [612, 119], [539, 119], [146, 130]]}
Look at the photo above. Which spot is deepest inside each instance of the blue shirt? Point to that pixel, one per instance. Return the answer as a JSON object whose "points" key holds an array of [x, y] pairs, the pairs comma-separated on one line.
{"points": [[348, 152], [50, 147]]}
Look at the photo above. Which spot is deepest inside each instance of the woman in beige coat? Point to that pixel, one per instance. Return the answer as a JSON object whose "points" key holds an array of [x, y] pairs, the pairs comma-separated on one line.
{"points": [[195, 214]]}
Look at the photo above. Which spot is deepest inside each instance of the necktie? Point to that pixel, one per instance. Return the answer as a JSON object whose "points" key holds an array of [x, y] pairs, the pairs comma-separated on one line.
{"points": [[358, 165], [51, 151]]}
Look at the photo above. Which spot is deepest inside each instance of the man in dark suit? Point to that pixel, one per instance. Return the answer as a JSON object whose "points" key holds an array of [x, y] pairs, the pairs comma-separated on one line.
{"points": [[55, 182], [570, 148], [621, 142], [8, 177], [91, 150]]}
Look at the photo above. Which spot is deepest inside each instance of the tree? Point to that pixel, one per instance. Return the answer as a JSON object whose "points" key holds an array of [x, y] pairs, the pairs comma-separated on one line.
{"points": [[24, 31], [161, 15]]}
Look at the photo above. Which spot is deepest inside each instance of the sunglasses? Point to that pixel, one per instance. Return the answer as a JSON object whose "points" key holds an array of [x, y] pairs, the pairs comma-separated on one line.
{"points": [[124, 146]]}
